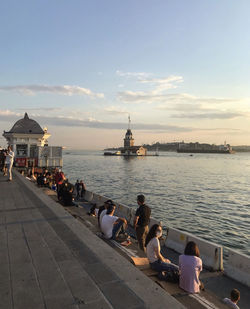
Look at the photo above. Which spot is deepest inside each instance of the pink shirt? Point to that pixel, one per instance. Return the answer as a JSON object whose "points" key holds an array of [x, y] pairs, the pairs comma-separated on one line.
{"points": [[190, 268]]}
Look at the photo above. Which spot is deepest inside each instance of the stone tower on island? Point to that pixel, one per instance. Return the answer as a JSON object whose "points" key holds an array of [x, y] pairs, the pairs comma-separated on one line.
{"points": [[129, 140], [129, 148]]}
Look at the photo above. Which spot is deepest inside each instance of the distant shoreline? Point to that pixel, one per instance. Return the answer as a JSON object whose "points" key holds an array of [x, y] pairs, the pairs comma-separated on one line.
{"points": [[163, 148]]}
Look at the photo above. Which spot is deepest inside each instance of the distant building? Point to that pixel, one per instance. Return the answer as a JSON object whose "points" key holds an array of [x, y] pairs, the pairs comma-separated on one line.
{"points": [[204, 148], [30, 144]]}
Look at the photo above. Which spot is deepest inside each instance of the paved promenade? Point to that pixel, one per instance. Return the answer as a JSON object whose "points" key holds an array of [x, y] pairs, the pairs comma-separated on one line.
{"points": [[50, 260]]}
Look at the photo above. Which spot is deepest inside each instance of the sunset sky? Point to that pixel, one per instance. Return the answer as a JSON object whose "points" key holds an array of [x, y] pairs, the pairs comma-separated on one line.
{"points": [[180, 68]]}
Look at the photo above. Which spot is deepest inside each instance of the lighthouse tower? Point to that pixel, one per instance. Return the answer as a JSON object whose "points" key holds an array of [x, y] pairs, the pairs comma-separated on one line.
{"points": [[128, 140]]}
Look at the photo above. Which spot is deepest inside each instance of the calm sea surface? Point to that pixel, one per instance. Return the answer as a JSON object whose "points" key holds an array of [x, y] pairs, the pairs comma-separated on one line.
{"points": [[204, 194]]}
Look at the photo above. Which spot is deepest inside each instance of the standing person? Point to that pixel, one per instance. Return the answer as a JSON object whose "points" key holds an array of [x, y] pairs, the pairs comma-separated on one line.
{"points": [[59, 179], [77, 187], [141, 222], [82, 188], [9, 162], [190, 265], [2, 159], [67, 196], [4, 166], [153, 248], [234, 298]]}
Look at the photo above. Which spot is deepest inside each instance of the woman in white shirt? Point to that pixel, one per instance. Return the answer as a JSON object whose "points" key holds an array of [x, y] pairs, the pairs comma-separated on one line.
{"points": [[153, 248], [9, 162]]}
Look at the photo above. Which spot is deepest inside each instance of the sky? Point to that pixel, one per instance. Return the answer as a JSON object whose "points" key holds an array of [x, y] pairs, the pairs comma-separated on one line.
{"points": [[181, 69]]}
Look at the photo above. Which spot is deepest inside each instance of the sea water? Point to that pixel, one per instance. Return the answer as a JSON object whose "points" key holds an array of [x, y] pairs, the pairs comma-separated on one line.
{"points": [[204, 194]]}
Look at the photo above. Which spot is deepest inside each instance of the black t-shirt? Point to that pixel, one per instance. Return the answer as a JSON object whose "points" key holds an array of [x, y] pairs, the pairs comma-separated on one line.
{"points": [[143, 212]]}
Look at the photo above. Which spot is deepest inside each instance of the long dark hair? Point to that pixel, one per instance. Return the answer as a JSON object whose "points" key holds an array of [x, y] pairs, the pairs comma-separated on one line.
{"points": [[151, 233], [192, 249]]}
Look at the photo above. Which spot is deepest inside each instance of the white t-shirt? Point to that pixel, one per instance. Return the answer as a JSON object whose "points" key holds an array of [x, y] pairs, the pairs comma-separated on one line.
{"points": [[10, 158], [107, 224], [230, 304], [151, 249], [103, 213]]}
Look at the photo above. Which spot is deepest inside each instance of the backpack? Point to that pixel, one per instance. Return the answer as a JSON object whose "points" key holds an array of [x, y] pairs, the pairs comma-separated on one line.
{"points": [[170, 276]]}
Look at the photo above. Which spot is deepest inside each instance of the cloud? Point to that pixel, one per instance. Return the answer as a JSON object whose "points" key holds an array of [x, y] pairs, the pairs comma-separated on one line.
{"points": [[113, 110], [193, 107], [210, 115], [138, 75], [61, 90], [91, 123], [157, 94], [163, 84], [63, 121], [47, 109]]}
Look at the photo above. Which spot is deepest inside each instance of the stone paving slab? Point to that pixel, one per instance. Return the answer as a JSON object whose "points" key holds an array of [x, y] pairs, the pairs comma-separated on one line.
{"points": [[49, 260]]}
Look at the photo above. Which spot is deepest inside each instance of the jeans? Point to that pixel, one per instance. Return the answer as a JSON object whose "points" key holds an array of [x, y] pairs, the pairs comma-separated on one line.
{"points": [[163, 266], [9, 169], [119, 228], [141, 234]]}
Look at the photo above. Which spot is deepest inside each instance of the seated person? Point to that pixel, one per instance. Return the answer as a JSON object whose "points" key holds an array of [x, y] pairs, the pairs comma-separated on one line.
{"points": [[40, 180], [53, 187], [92, 211], [103, 210], [153, 249], [61, 188], [45, 180], [190, 266], [234, 298], [112, 226]]}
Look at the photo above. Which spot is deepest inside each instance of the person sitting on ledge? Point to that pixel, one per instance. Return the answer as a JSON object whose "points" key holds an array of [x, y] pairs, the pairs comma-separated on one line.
{"points": [[40, 180], [103, 210], [153, 249], [234, 298], [190, 266], [112, 226]]}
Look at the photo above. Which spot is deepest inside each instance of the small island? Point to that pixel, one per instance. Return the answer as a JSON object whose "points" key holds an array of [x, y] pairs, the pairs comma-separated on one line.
{"points": [[129, 148]]}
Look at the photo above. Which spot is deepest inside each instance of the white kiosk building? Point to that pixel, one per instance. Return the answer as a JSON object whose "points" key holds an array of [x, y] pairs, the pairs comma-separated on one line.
{"points": [[30, 144]]}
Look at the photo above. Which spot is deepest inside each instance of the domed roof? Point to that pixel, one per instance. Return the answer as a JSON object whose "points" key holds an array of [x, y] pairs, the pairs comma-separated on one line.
{"points": [[26, 126]]}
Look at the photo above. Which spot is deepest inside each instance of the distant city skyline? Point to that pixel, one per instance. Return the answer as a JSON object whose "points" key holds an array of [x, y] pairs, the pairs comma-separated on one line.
{"points": [[179, 68]]}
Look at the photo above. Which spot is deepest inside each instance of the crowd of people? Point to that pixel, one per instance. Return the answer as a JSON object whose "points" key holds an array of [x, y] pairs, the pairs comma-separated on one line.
{"points": [[190, 263], [56, 180], [113, 227]]}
